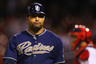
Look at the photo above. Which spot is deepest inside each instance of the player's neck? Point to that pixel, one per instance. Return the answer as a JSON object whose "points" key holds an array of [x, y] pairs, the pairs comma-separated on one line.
{"points": [[36, 33]]}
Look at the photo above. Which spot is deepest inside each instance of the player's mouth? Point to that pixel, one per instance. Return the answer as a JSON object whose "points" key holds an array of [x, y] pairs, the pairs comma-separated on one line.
{"points": [[37, 23]]}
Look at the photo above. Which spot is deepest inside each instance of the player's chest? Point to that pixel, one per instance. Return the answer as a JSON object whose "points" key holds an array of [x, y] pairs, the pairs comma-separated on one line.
{"points": [[35, 46]]}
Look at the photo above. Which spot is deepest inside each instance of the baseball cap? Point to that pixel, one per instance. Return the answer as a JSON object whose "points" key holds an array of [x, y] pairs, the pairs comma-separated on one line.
{"points": [[35, 8]]}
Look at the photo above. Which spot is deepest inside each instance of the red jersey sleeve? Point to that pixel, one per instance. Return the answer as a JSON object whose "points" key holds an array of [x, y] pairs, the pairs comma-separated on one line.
{"points": [[84, 55]]}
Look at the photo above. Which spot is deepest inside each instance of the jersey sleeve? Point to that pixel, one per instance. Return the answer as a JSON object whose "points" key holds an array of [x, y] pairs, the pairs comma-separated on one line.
{"points": [[11, 51], [8, 61], [84, 55], [58, 54]]}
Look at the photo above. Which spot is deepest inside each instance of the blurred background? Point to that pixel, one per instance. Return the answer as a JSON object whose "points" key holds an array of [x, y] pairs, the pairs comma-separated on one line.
{"points": [[61, 16]]}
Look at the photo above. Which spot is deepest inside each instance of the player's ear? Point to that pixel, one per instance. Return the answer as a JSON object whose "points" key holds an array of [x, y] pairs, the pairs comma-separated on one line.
{"points": [[27, 19], [44, 19]]}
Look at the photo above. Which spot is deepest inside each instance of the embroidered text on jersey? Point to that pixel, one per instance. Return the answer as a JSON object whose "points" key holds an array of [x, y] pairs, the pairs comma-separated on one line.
{"points": [[27, 49]]}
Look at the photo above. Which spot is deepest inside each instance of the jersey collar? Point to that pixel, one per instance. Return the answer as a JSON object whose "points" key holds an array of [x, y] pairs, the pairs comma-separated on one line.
{"points": [[38, 35]]}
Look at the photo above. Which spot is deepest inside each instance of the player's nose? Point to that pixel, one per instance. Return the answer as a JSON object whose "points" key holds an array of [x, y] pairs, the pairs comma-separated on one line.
{"points": [[37, 18]]}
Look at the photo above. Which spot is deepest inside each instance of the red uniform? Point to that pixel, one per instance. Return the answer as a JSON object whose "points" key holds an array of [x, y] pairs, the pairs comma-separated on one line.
{"points": [[84, 55], [85, 51]]}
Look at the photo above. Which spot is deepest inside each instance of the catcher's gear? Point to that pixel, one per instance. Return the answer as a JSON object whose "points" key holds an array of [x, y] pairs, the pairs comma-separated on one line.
{"points": [[80, 33]]}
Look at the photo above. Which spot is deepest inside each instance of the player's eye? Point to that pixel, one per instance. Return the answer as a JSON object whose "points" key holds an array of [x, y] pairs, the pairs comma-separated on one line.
{"points": [[33, 15], [37, 15], [41, 15]]}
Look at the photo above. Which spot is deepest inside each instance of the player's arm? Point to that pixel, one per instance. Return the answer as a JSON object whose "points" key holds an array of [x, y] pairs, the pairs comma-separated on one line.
{"points": [[58, 53], [9, 61], [10, 56]]}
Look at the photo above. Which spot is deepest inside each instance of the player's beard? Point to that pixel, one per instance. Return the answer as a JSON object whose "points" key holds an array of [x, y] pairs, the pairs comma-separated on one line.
{"points": [[35, 28]]}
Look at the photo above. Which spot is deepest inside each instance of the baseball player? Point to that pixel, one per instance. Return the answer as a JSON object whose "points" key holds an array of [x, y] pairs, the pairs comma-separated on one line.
{"points": [[85, 53], [35, 45]]}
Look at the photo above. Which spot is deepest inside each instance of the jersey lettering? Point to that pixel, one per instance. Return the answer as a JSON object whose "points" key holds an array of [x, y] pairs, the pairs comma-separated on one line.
{"points": [[28, 49]]}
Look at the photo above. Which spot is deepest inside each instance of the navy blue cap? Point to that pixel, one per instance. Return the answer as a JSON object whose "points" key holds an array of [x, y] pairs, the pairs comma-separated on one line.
{"points": [[35, 8], [76, 30]]}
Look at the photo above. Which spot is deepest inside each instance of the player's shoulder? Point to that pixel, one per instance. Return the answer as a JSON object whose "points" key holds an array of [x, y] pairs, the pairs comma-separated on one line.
{"points": [[89, 48], [20, 34], [52, 34]]}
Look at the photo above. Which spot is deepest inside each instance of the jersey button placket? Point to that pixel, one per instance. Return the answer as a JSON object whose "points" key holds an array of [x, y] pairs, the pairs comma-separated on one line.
{"points": [[34, 55], [35, 41]]}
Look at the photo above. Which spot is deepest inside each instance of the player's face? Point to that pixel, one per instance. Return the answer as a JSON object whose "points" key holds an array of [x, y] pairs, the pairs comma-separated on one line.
{"points": [[36, 21], [73, 39]]}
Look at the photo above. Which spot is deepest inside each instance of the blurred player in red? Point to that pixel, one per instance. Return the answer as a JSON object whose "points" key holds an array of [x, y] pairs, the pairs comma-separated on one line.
{"points": [[85, 53]]}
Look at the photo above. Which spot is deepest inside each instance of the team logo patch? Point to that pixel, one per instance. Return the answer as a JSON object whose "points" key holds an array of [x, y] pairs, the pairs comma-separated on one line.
{"points": [[39, 48], [37, 8]]}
